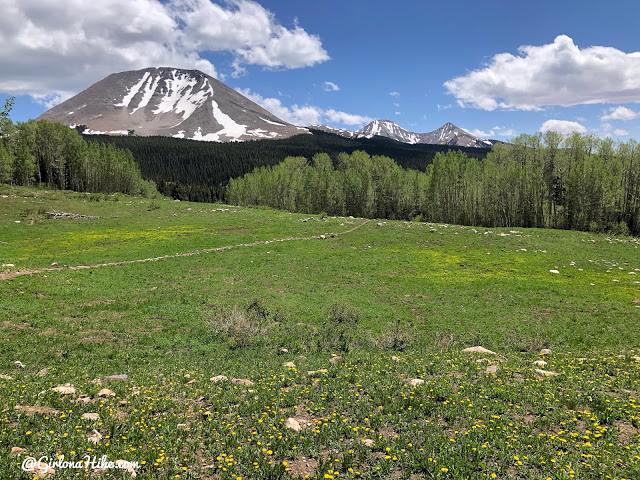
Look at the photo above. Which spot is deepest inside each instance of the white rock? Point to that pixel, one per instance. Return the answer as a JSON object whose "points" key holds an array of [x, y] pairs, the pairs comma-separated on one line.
{"points": [[414, 382], [105, 392], [545, 351], [66, 389], [292, 423], [544, 373], [554, 271], [90, 416], [289, 365], [218, 378], [540, 363], [94, 437], [479, 349]]}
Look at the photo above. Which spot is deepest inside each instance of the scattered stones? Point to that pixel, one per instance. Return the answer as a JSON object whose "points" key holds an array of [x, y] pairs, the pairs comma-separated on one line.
{"points": [[284, 350], [122, 403], [116, 378], [335, 360], [54, 264], [91, 416], [479, 349], [83, 399], [18, 364], [492, 369], [482, 360], [368, 442], [544, 373], [289, 365], [292, 424], [315, 372], [5, 377], [105, 392], [94, 436], [414, 382], [17, 451], [218, 378], [540, 363], [302, 357], [554, 271], [8, 265], [43, 372], [191, 382], [242, 381], [545, 351], [380, 224], [66, 389], [395, 359]]}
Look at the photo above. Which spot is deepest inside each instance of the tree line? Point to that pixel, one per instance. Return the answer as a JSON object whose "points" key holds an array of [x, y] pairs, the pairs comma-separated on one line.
{"points": [[199, 171], [43, 152], [578, 182]]}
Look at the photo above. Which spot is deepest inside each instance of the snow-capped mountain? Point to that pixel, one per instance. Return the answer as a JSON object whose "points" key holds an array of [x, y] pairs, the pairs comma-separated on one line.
{"points": [[170, 102], [448, 134]]}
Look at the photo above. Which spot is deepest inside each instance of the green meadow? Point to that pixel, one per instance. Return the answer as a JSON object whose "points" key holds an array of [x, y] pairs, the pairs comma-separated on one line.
{"points": [[341, 340]]}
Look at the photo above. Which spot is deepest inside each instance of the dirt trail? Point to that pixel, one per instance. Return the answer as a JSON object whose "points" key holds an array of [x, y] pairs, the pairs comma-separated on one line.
{"points": [[19, 273]]}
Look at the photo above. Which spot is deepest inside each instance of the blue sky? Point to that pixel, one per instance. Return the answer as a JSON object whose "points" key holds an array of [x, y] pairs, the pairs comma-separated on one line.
{"points": [[419, 63]]}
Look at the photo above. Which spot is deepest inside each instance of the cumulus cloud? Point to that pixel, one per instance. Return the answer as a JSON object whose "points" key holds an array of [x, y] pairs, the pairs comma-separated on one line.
{"points": [[394, 94], [330, 87], [619, 113], [51, 49], [496, 131], [620, 132], [559, 73], [562, 126], [304, 114]]}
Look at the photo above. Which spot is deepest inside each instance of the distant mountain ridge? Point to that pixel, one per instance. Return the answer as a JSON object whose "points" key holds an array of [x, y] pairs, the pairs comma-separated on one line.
{"points": [[448, 134], [170, 102]]}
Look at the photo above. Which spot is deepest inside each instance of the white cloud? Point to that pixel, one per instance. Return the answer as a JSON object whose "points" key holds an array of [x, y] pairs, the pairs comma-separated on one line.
{"points": [[496, 131], [444, 107], [345, 118], [330, 87], [394, 94], [620, 113], [620, 132], [559, 73], [304, 114], [562, 126], [397, 113], [396, 104], [50, 48]]}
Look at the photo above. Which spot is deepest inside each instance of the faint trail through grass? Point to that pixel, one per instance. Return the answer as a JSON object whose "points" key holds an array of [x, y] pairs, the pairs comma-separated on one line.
{"points": [[18, 273]]}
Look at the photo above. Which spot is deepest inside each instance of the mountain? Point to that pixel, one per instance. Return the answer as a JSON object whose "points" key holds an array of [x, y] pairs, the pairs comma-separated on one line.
{"points": [[448, 134], [169, 102]]}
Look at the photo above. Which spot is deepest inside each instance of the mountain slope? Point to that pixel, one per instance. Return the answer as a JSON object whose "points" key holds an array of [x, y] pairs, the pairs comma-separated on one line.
{"points": [[448, 134], [170, 102]]}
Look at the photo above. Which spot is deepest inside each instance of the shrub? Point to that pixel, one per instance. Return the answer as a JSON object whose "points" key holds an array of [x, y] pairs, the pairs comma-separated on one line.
{"points": [[338, 329], [243, 327]]}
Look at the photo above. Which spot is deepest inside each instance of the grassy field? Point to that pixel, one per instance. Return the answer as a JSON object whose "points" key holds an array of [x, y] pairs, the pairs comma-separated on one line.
{"points": [[173, 294]]}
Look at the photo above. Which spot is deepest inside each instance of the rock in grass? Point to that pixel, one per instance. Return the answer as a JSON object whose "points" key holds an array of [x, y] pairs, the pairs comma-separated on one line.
{"points": [[315, 372], [544, 373], [5, 377], [492, 369], [540, 363], [116, 378], [335, 360], [414, 382], [126, 466], [43, 372], [39, 469], [66, 389], [545, 351], [28, 410], [289, 365], [479, 349], [395, 359], [18, 364], [293, 424], [368, 442], [242, 381], [90, 416], [105, 392], [218, 378], [94, 436], [554, 271], [17, 451]]}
